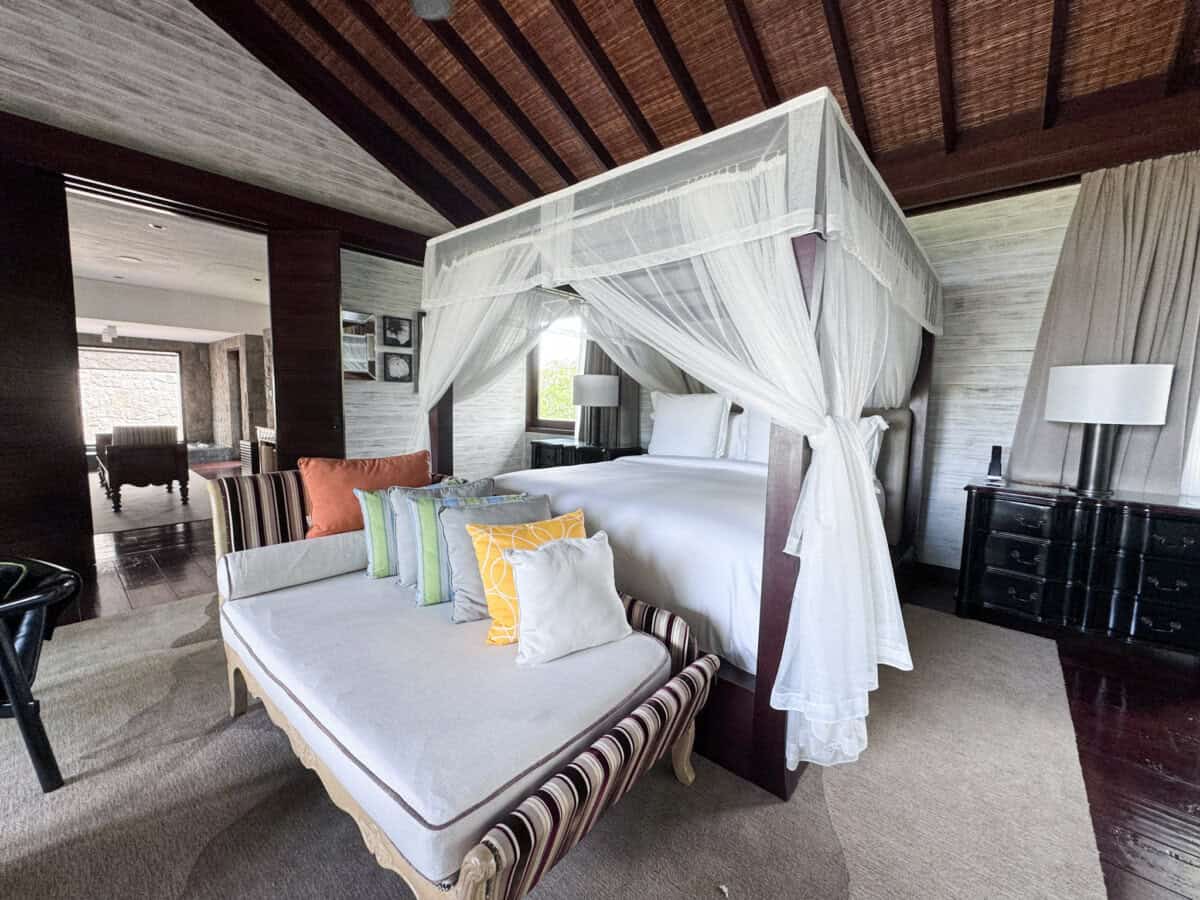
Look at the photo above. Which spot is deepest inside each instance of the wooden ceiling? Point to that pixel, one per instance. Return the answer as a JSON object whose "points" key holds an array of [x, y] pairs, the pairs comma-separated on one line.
{"points": [[512, 99]]}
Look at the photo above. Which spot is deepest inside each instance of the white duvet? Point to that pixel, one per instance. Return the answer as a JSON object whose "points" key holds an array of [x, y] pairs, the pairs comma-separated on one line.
{"points": [[686, 534]]}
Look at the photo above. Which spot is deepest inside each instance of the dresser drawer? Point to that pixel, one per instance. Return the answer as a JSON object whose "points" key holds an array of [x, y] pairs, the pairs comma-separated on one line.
{"points": [[1035, 597], [1166, 625], [1173, 538], [1168, 581], [1025, 556], [1028, 519]]}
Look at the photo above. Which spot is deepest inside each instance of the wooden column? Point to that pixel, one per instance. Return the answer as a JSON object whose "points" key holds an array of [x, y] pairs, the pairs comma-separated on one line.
{"points": [[306, 328], [787, 463], [46, 512]]}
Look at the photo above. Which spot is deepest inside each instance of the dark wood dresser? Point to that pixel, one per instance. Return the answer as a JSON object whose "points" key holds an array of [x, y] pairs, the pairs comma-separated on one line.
{"points": [[545, 453], [1125, 566]]}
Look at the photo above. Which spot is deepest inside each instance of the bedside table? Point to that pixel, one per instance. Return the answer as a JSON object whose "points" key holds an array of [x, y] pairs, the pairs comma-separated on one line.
{"points": [[545, 453]]}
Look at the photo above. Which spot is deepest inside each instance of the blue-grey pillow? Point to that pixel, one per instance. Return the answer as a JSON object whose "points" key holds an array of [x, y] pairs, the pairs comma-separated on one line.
{"points": [[433, 563]]}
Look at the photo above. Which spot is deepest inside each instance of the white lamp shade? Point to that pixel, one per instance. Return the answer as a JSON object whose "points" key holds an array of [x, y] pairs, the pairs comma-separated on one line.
{"points": [[596, 390], [1109, 395]]}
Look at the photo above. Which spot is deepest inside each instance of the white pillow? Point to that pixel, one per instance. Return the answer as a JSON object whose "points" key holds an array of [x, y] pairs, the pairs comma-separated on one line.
{"points": [[688, 424], [756, 437], [568, 598]]}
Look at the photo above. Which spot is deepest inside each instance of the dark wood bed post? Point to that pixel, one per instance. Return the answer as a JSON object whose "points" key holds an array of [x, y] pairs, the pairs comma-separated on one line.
{"points": [[441, 435], [787, 463]]}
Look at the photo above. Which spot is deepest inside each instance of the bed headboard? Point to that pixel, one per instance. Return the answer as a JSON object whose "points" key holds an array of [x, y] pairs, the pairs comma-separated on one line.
{"points": [[892, 468]]}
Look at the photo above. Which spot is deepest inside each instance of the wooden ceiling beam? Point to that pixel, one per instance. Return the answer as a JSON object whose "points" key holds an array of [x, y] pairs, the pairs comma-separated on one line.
{"points": [[546, 80], [404, 56], [339, 44], [845, 64], [1054, 62], [743, 26], [945, 71], [487, 82], [661, 35], [275, 48], [1181, 72], [1110, 128], [578, 26]]}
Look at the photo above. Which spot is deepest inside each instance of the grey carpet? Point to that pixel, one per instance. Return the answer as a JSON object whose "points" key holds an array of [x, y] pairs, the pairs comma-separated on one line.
{"points": [[970, 789], [143, 507]]}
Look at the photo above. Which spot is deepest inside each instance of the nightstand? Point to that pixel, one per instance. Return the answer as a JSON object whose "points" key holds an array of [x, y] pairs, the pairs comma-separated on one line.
{"points": [[1125, 566], [545, 453]]}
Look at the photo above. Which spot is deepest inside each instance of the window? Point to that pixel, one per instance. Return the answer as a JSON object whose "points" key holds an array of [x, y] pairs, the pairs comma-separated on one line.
{"points": [[128, 387], [552, 364]]}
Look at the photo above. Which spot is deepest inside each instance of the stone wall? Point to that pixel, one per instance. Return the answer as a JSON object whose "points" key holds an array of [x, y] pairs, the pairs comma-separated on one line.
{"points": [[251, 399], [195, 379]]}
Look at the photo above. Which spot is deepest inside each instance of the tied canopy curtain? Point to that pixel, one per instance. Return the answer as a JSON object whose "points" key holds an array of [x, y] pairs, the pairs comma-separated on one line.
{"points": [[687, 255], [615, 426], [1126, 290]]}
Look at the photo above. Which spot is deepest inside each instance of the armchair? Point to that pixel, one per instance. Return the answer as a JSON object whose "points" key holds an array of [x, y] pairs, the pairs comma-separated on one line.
{"points": [[141, 455], [32, 596]]}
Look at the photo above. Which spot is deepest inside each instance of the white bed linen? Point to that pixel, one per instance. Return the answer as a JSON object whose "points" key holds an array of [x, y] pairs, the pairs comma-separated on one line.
{"points": [[686, 535], [433, 732]]}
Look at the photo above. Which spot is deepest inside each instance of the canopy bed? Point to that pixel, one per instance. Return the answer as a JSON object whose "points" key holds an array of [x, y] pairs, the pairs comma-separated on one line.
{"points": [[767, 260]]}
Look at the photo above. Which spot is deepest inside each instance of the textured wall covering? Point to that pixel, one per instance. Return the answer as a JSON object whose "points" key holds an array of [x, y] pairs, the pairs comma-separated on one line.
{"points": [[194, 377], [160, 77], [251, 402], [996, 261], [380, 416]]}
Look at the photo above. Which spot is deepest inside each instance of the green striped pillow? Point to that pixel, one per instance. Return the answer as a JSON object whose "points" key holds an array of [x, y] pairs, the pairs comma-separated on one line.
{"points": [[433, 558], [387, 536]]}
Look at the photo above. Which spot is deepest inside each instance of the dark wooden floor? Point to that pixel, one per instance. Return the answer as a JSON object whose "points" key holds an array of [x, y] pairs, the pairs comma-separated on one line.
{"points": [[1137, 717], [136, 569], [1137, 727]]}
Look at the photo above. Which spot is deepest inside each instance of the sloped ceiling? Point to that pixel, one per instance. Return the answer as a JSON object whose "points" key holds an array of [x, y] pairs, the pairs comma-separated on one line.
{"points": [[159, 76]]}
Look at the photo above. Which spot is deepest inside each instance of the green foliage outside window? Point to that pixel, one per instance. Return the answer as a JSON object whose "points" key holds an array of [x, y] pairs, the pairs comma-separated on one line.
{"points": [[554, 391]]}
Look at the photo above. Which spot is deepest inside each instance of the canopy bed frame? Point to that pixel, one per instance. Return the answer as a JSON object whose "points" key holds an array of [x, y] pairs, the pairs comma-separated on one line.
{"points": [[768, 260]]}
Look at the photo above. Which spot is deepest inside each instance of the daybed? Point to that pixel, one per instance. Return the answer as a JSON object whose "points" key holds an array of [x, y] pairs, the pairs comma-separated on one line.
{"points": [[463, 771]]}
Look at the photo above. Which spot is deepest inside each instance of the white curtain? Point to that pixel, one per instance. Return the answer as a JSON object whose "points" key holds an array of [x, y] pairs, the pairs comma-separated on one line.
{"points": [[689, 253]]}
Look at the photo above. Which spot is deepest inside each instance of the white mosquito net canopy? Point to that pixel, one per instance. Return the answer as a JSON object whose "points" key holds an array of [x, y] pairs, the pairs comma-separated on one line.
{"points": [[685, 259]]}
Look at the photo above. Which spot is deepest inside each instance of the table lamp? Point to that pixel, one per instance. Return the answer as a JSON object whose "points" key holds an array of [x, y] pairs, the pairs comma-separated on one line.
{"points": [[595, 390], [1101, 398]]}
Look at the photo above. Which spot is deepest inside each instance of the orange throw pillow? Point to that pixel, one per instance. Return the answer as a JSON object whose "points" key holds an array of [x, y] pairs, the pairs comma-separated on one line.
{"points": [[330, 485]]}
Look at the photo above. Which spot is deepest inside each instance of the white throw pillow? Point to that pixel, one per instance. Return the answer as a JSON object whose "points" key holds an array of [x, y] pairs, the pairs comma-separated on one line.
{"points": [[757, 437], [688, 425], [568, 598]]}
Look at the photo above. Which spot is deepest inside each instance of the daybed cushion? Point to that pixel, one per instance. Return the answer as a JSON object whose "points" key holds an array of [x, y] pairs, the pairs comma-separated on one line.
{"points": [[434, 733], [245, 573]]}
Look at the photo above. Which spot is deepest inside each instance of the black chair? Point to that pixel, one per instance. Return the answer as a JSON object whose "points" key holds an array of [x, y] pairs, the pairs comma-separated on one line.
{"points": [[32, 596]]}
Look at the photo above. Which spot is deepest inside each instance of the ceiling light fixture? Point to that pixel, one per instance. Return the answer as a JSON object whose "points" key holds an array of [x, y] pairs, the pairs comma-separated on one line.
{"points": [[156, 226], [432, 10], [258, 279], [119, 277], [129, 259]]}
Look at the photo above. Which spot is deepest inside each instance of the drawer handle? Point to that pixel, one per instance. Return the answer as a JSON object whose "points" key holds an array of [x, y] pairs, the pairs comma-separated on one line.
{"points": [[1170, 629], [1038, 523], [1184, 542], [1013, 595], [1180, 585], [1015, 555]]}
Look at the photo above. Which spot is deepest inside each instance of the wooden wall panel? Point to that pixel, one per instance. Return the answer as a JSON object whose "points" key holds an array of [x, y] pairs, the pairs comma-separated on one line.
{"points": [[46, 511], [306, 292], [996, 261]]}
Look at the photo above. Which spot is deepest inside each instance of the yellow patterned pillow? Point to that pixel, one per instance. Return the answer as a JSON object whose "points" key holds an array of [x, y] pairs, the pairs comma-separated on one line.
{"points": [[499, 587]]}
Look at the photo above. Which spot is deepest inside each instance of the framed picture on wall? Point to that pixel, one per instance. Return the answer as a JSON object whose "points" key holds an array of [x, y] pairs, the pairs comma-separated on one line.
{"points": [[397, 332], [398, 367]]}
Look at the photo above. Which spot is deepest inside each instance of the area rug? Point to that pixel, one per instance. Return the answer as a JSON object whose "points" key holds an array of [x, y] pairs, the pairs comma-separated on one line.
{"points": [[144, 507], [970, 789]]}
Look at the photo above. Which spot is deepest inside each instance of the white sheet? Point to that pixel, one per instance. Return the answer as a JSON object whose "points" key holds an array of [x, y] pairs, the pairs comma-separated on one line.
{"points": [[686, 535], [433, 732]]}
